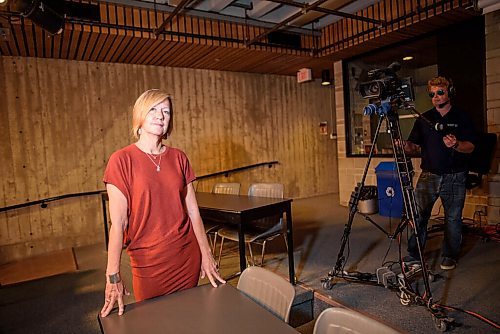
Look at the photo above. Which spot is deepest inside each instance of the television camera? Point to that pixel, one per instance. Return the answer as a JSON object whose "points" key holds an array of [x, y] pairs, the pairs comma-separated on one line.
{"points": [[386, 89]]}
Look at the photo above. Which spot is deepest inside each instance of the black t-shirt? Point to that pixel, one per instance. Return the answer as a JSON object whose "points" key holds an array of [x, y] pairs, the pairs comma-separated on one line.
{"points": [[436, 157]]}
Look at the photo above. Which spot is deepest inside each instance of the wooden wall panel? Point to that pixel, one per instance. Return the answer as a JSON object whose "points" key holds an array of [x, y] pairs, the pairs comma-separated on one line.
{"points": [[62, 119]]}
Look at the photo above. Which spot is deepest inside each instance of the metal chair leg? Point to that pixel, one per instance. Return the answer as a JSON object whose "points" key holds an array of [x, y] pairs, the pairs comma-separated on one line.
{"points": [[286, 242], [251, 253], [214, 243], [262, 254], [220, 251]]}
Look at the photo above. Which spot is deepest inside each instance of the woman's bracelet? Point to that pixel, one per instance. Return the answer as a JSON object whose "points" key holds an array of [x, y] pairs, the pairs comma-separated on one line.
{"points": [[114, 278], [455, 145]]}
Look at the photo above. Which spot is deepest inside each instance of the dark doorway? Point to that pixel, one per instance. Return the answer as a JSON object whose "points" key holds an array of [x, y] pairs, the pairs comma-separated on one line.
{"points": [[461, 57]]}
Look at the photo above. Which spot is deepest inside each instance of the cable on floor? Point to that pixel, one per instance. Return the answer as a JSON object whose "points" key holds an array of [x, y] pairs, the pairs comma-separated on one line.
{"points": [[474, 314]]}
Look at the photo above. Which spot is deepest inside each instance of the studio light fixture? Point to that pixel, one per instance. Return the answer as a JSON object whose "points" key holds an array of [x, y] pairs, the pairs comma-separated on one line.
{"points": [[2, 2], [407, 58], [48, 14], [325, 78]]}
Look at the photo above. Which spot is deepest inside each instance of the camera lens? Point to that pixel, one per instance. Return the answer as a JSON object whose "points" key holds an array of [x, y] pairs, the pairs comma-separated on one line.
{"points": [[374, 88]]}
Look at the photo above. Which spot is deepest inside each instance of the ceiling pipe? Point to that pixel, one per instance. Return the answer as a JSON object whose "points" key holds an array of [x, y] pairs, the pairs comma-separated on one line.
{"points": [[206, 15], [171, 16], [332, 12], [289, 19]]}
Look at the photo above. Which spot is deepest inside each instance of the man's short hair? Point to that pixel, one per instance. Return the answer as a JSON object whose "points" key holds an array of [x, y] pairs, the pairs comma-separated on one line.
{"points": [[438, 82]]}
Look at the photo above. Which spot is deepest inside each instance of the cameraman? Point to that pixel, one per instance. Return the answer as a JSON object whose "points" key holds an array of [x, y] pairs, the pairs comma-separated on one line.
{"points": [[444, 169]]}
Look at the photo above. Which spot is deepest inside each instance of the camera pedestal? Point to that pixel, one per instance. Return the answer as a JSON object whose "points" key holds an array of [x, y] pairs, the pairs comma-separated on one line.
{"points": [[408, 295]]}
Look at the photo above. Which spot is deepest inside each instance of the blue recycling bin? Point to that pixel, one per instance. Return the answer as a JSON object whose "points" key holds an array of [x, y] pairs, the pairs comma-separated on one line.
{"points": [[390, 197]]}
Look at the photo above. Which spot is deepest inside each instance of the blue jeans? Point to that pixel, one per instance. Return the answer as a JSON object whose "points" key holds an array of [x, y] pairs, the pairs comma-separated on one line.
{"points": [[451, 189]]}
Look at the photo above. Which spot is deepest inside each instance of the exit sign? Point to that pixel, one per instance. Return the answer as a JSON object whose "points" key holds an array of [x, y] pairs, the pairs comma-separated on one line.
{"points": [[304, 75]]}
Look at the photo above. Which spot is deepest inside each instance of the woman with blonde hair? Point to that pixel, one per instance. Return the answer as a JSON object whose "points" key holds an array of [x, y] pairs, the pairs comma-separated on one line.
{"points": [[154, 212]]}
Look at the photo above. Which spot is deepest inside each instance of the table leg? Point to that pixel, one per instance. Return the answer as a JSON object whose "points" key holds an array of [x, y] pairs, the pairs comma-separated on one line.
{"points": [[241, 242], [105, 220]]}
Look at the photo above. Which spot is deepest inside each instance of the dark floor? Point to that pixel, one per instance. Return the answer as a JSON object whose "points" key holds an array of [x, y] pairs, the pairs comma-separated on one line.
{"points": [[473, 285], [69, 303]]}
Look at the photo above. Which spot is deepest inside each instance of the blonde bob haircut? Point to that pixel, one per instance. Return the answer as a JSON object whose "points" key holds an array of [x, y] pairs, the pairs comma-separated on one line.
{"points": [[144, 104], [438, 82]]}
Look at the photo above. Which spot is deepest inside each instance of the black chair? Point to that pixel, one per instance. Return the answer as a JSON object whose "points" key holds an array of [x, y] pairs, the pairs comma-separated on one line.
{"points": [[481, 159]]}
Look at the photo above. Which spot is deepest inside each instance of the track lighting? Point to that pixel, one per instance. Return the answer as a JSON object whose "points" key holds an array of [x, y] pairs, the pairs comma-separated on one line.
{"points": [[48, 14], [325, 78]]}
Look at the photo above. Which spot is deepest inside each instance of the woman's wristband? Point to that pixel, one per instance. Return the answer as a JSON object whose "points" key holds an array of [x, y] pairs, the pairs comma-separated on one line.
{"points": [[114, 278], [455, 146]]}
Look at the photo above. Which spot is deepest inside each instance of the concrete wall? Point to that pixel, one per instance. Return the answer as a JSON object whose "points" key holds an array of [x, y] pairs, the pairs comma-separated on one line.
{"points": [[62, 119]]}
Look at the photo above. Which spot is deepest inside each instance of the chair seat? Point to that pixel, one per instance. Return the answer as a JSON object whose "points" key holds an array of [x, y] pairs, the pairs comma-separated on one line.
{"points": [[211, 227], [250, 235]]}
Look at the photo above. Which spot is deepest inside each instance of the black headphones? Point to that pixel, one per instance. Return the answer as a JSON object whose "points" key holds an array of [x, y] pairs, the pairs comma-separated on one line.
{"points": [[451, 89]]}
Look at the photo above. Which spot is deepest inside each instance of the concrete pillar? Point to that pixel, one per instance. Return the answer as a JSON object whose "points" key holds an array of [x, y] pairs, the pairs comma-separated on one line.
{"points": [[492, 35]]}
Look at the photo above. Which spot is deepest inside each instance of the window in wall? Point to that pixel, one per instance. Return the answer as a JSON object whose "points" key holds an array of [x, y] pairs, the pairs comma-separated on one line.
{"points": [[360, 128], [440, 53]]}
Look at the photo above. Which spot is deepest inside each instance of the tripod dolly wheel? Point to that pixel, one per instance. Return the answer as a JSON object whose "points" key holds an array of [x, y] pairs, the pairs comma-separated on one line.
{"points": [[440, 324], [327, 284]]}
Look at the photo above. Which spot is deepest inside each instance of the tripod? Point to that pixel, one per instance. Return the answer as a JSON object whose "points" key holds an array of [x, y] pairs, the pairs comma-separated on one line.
{"points": [[387, 113]]}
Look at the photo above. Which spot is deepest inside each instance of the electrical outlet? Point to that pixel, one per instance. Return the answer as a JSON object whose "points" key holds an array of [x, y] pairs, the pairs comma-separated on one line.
{"points": [[481, 209]]}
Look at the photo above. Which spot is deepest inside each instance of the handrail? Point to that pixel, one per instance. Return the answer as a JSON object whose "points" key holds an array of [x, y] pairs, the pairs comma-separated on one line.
{"points": [[234, 170], [44, 201], [104, 197]]}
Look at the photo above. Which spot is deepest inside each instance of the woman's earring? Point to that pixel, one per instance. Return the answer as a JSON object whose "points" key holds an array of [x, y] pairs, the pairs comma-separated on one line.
{"points": [[139, 131]]}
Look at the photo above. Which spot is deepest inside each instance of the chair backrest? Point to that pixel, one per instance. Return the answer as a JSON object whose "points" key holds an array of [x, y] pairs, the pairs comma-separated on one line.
{"points": [[229, 188], [268, 289], [336, 320], [272, 190]]}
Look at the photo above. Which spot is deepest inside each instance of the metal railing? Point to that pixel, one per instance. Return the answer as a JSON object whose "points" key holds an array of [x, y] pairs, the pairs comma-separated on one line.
{"points": [[104, 196], [43, 202], [239, 169]]}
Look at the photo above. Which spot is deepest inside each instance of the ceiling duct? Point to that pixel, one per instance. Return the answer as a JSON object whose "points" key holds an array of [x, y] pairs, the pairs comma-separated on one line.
{"points": [[84, 11], [284, 39]]}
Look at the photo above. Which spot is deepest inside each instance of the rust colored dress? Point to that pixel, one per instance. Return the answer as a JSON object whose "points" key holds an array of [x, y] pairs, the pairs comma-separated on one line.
{"points": [[164, 253]]}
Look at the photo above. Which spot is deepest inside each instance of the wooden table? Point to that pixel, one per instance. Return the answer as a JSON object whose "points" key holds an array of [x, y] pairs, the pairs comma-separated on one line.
{"points": [[241, 210], [203, 309]]}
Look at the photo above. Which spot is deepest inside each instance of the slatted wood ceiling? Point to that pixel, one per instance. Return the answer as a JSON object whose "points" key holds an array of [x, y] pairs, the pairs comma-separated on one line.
{"points": [[125, 35]]}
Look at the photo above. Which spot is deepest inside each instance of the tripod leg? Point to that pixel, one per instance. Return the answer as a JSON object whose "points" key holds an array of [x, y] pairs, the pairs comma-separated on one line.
{"points": [[410, 214], [353, 208]]}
